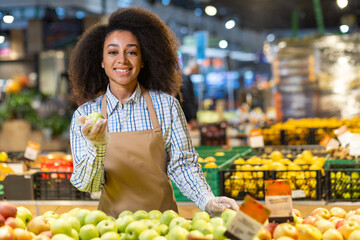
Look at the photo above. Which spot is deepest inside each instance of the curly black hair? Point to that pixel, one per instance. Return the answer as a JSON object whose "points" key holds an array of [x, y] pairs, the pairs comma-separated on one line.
{"points": [[161, 71]]}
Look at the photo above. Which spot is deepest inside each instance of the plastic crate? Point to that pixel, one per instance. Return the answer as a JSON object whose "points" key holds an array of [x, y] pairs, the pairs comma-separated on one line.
{"points": [[56, 186], [212, 175], [294, 150], [342, 182]]}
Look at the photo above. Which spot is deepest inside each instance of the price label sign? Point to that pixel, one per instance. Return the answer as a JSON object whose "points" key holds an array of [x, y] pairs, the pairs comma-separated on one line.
{"points": [[278, 198], [32, 150], [248, 221], [256, 139], [329, 142], [355, 145], [343, 134]]}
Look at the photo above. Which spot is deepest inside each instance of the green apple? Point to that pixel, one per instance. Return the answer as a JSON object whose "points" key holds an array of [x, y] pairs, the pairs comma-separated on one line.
{"points": [[60, 225], [219, 232], [167, 216], [24, 214], [88, 231], [74, 222], [201, 215], [50, 214], [177, 233], [217, 221], [74, 234], [163, 229], [155, 214], [81, 214], [160, 238], [228, 215], [14, 222], [203, 226], [61, 236], [196, 234], [94, 117], [38, 224], [123, 221], [74, 211], [110, 236], [141, 214], [148, 234], [94, 217], [181, 222], [106, 226], [209, 236], [111, 218], [150, 224], [134, 229], [125, 212]]}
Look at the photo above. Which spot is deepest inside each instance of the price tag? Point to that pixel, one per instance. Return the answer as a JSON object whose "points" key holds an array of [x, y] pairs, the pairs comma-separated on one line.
{"points": [[256, 139], [248, 221], [32, 150], [329, 142], [343, 134], [355, 145], [278, 198]]}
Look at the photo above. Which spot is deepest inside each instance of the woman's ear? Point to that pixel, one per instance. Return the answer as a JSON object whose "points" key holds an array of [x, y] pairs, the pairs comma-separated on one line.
{"points": [[102, 64]]}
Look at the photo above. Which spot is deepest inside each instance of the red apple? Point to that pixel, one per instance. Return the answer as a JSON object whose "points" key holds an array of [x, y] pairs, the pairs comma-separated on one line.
{"points": [[324, 225], [308, 232], [22, 234], [322, 212], [340, 222], [355, 235], [46, 233], [7, 209], [332, 234], [297, 212], [271, 227], [338, 212], [310, 220], [285, 229], [348, 228], [38, 224], [264, 234], [2, 221], [6, 233], [15, 223]]}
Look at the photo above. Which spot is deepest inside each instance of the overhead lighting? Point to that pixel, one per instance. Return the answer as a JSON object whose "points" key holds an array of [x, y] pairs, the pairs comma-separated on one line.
{"points": [[344, 28], [270, 37], [8, 18], [223, 44], [80, 14], [230, 24], [342, 3], [2, 39], [198, 12], [210, 10], [165, 2]]}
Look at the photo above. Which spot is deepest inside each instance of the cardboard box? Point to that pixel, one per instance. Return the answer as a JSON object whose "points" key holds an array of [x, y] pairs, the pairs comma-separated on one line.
{"points": [[17, 187]]}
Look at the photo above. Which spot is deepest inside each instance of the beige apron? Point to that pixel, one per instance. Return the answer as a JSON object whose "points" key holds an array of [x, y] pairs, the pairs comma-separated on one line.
{"points": [[135, 169]]}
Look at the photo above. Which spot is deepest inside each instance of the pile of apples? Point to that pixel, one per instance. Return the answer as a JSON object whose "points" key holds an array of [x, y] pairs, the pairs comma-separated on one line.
{"points": [[18, 223], [321, 224]]}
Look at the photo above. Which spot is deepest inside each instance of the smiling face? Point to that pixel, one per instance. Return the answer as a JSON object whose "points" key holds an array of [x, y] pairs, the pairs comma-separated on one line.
{"points": [[122, 59]]}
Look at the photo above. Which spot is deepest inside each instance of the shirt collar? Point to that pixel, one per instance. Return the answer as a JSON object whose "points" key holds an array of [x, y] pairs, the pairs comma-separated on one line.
{"points": [[112, 102]]}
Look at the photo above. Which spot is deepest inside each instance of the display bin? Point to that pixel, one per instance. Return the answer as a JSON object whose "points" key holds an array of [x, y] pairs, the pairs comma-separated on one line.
{"points": [[56, 186], [305, 184], [212, 175], [237, 184], [332, 163], [317, 150], [342, 182], [17, 187]]}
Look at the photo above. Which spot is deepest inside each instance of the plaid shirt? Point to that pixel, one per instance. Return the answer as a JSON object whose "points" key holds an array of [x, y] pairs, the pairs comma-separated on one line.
{"points": [[183, 168]]}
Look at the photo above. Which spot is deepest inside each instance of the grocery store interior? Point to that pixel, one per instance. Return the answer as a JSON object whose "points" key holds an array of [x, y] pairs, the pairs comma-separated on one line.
{"points": [[276, 97]]}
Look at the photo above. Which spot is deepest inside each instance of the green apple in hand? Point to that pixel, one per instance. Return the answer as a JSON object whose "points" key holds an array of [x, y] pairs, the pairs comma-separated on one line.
{"points": [[155, 214], [106, 226], [94, 117], [88, 231], [201, 215], [148, 234], [110, 236], [134, 229], [123, 222], [24, 214], [181, 222], [228, 215], [167, 216], [94, 217], [141, 214], [60, 226], [177, 233]]}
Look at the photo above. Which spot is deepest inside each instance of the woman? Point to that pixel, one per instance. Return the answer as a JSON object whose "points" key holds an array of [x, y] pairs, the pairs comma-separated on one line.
{"points": [[128, 70]]}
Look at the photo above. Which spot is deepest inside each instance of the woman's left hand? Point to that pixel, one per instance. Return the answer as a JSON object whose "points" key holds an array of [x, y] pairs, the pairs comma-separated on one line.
{"points": [[95, 133], [217, 205]]}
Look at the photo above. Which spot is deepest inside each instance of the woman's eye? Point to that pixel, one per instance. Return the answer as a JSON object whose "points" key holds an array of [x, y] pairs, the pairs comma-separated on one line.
{"points": [[132, 53], [112, 52]]}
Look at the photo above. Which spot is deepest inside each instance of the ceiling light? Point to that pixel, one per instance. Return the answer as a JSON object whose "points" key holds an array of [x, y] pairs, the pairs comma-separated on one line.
{"points": [[270, 37], [223, 44], [8, 18], [210, 10], [342, 3], [165, 2], [230, 24], [80, 14], [282, 44], [2, 39], [344, 28]]}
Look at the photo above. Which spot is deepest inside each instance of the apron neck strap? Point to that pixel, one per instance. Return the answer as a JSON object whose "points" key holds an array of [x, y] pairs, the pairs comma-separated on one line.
{"points": [[149, 103]]}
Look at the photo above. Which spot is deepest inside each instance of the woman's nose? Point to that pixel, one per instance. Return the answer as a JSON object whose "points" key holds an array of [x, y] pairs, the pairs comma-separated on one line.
{"points": [[122, 58]]}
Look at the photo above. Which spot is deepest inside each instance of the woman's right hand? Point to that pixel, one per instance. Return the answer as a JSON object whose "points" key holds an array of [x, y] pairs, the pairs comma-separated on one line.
{"points": [[95, 133]]}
